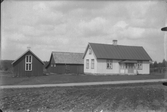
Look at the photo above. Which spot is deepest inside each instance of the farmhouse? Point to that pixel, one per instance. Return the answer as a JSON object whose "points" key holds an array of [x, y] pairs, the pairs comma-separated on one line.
{"points": [[65, 62], [115, 59], [28, 64]]}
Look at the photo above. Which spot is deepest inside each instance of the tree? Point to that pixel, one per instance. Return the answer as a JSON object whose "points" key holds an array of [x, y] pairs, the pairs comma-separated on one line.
{"points": [[152, 65], [164, 63], [155, 64]]}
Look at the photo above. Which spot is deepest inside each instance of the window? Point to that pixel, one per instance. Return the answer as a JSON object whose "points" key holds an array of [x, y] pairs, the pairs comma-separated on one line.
{"points": [[139, 65], [87, 63], [135, 66], [92, 63], [109, 64], [28, 63], [90, 51]]}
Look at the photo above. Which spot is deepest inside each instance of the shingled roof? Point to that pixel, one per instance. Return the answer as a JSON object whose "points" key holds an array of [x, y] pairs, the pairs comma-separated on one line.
{"points": [[67, 58], [109, 51]]}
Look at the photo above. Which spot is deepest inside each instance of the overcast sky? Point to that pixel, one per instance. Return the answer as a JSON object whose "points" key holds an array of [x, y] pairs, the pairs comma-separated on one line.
{"points": [[68, 26]]}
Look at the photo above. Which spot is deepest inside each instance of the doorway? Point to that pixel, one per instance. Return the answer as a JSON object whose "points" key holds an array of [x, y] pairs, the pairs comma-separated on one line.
{"points": [[130, 67]]}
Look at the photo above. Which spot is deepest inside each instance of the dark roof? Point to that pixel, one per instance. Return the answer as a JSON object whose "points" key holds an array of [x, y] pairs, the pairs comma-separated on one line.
{"points": [[25, 54], [68, 58], [108, 51]]}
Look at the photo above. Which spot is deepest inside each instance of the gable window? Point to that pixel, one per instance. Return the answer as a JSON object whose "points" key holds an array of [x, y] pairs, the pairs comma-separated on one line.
{"points": [[87, 63], [140, 65], [92, 63], [28, 63], [90, 51], [109, 64], [53, 65]]}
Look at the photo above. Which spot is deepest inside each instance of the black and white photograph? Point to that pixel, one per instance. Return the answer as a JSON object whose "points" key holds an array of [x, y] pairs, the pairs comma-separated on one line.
{"points": [[83, 56]]}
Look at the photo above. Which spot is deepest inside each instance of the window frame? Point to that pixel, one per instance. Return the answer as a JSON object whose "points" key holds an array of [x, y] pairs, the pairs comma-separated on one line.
{"points": [[92, 63], [28, 62], [87, 63], [140, 65], [90, 51], [110, 62]]}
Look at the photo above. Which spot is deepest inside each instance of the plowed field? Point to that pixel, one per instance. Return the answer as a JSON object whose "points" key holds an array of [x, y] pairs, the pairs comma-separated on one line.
{"points": [[104, 98]]}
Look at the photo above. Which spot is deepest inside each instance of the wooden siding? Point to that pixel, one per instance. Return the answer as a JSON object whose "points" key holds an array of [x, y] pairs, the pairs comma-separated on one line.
{"points": [[102, 67], [68, 68], [19, 67], [145, 68]]}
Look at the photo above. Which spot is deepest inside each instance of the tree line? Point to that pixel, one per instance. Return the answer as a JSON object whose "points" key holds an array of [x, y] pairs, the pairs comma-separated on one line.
{"points": [[158, 65]]}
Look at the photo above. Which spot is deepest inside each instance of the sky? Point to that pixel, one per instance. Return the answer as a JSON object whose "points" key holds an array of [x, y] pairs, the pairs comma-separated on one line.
{"points": [[68, 26]]}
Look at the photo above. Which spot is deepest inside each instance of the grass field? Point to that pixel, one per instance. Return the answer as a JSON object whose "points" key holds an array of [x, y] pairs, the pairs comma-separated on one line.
{"points": [[109, 98], [7, 79]]}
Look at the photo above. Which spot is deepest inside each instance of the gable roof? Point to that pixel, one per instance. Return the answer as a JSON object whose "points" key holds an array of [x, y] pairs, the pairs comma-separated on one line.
{"points": [[108, 51], [25, 54], [67, 58]]}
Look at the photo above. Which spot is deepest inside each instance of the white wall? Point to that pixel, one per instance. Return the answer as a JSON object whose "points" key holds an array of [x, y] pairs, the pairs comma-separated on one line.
{"points": [[145, 68], [102, 67], [90, 56]]}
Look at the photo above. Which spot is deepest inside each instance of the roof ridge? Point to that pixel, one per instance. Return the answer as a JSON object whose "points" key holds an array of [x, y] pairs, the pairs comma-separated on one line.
{"points": [[115, 45], [65, 52]]}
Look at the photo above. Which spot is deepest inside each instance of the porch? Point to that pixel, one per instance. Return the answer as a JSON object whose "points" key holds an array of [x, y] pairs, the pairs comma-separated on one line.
{"points": [[128, 67]]}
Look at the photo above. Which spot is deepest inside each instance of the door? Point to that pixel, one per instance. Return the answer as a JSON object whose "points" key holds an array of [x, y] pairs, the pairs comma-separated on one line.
{"points": [[122, 68], [130, 68]]}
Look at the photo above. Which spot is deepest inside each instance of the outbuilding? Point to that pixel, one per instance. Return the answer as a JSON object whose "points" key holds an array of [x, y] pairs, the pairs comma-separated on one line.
{"points": [[65, 62], [28, 64]]}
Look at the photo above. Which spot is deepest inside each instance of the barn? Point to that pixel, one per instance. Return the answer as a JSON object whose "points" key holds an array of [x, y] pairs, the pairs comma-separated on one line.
{"points": [[28, 64], [65, 62]]}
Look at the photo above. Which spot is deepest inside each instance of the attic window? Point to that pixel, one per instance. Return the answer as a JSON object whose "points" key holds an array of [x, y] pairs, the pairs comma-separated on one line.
{"points": [[90, 50], [53, 65], [28, 63]]}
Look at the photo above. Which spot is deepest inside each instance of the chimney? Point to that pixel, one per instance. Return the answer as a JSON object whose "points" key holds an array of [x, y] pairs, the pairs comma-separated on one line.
{"points": [[114, 42], [28, 47]]}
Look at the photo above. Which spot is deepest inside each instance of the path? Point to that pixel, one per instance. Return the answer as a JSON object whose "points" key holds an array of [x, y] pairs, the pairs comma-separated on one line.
{"points": [[85, 84]]}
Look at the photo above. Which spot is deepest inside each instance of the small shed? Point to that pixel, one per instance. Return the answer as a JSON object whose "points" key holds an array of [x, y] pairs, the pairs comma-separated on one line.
{"points": [[66, 62], [27, 64]]}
